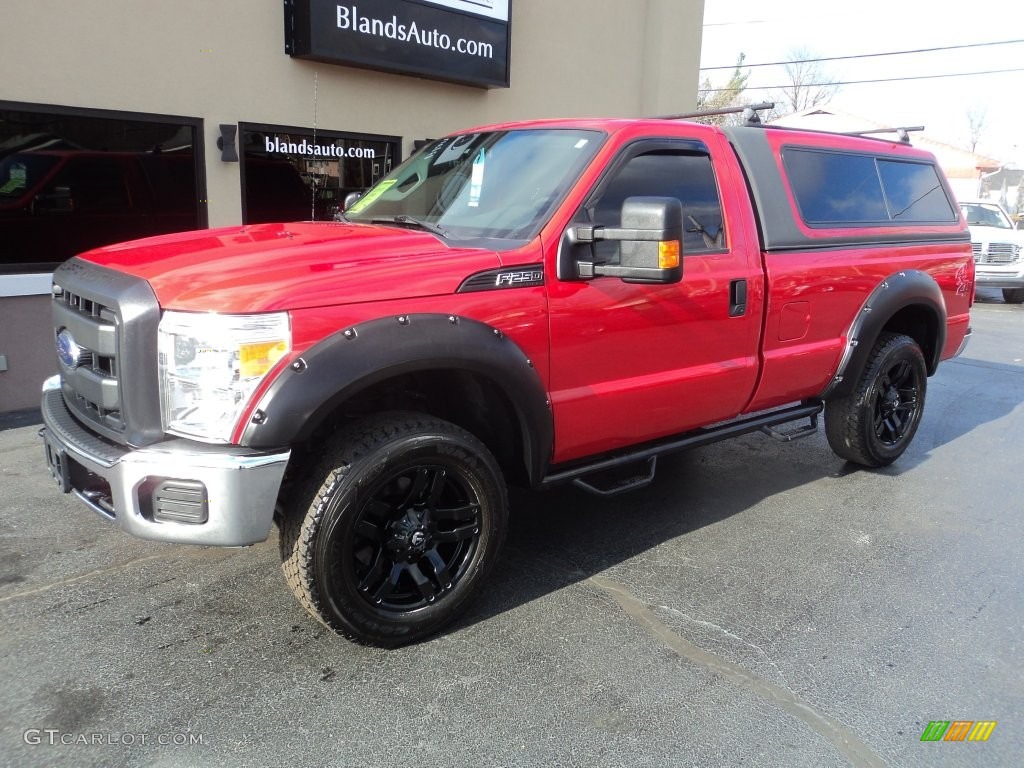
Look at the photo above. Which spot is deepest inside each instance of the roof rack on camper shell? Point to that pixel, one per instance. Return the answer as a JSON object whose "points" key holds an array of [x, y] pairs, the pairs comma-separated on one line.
{"points": [[749, 113], [902, 132], [751, 118]]}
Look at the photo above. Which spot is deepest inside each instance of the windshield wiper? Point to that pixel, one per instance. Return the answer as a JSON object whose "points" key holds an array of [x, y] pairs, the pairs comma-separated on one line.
{"points": [[402, 219]]}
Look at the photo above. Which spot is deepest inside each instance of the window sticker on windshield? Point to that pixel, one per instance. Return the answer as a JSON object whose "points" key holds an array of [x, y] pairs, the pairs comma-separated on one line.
{"points": [[476, 181], [16, 179], [370, 196], [581, 143]]}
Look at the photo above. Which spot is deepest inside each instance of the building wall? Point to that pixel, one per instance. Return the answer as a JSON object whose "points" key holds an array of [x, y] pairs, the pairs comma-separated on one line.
{"points": [[25, 340], [224, 62]]}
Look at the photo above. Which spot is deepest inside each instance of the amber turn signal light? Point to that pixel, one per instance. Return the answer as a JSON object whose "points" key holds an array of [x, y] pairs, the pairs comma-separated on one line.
{"points": [[668, 254]]}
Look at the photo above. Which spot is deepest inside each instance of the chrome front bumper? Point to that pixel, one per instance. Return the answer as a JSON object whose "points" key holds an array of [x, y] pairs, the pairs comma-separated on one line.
{"points": [[1009, 277], [232, 491]]}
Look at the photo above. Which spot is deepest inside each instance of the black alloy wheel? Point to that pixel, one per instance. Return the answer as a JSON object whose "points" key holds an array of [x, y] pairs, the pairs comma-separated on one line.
{"points": [[396, 529], [877, 421], [414, 536], [896, 403]]}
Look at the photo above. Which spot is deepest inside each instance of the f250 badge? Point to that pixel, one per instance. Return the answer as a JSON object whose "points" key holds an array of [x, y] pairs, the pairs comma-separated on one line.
{"points": [[521, 276], [511, 279]]}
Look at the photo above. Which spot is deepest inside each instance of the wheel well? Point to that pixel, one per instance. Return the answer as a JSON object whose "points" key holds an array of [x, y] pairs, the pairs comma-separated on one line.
{"points": [[919, 323], [464, 398]]}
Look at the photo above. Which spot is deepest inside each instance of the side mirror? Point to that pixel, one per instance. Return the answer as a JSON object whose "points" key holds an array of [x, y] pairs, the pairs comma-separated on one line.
{"points": [[57, 201], [651, 235], [350, 200]]}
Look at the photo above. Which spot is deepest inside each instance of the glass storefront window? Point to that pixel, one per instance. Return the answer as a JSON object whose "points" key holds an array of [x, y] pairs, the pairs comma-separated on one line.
{"points": [[296, 174], [75, 179]]}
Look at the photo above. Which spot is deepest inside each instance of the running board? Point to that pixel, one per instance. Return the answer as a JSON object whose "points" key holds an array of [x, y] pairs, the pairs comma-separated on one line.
{"points": [[695, 439], [806, 430], [620, 485]]}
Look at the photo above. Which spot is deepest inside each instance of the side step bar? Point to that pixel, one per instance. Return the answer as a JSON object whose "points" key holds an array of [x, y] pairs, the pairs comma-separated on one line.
{"points": [[621, 485], [794, 434], [700, 437]]}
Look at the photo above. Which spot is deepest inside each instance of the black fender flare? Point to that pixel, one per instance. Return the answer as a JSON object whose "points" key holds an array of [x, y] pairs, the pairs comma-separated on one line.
{"points": [[346, 363], [903, 289]]}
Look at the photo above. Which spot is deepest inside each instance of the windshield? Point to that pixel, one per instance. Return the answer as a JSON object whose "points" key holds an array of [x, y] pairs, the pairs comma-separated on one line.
{"points": [[985, 216], [500, 184], [22, 172]]}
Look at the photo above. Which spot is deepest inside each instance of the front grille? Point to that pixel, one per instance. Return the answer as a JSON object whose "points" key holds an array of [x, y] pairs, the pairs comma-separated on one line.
{"points": [[996, 253], [93, 373], [105, 328], [1002, 253]]}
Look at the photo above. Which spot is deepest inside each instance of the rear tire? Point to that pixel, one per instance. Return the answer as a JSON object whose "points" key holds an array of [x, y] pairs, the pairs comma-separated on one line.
{"points": [[1013, 295], [396, 529], [876, 422]]}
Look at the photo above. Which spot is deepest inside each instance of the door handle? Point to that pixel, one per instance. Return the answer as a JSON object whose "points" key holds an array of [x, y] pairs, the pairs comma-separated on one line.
{"points": [[738, 298]]}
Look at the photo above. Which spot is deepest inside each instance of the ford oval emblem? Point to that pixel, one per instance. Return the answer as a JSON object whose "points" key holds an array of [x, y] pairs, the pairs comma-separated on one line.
{"points": [[67, 350]]}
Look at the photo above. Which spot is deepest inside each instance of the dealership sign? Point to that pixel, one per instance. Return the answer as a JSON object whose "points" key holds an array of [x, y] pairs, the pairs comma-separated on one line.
{"points": [[463, 41]]}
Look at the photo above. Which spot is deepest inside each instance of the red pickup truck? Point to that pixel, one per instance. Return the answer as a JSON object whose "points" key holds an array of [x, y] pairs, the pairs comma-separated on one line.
{"points": [[532, 303]]}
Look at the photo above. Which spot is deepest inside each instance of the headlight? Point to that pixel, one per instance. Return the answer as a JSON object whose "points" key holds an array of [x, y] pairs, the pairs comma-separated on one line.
{"points": [[211, 364]]}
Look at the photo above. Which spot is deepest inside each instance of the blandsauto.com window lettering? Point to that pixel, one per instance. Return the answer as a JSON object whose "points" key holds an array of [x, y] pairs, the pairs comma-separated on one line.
{"points": [[275, 145], [351, 18]]}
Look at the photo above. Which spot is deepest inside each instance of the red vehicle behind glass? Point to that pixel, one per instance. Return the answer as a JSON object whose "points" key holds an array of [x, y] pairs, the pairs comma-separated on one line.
{"points": [[55, 203], [532, 303]]}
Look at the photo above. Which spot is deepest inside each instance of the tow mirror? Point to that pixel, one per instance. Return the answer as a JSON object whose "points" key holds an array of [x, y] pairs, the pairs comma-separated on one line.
{"points": [[350, 200], [57, 201], [651, 239]]}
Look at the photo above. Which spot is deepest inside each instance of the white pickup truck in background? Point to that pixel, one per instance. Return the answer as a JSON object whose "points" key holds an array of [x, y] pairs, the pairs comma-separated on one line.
{"points": [[998, 248]]}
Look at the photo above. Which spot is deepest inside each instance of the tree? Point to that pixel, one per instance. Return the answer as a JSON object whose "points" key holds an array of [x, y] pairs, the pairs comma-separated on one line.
{"points": [[710, 97], [809, 84], [976, 124]]}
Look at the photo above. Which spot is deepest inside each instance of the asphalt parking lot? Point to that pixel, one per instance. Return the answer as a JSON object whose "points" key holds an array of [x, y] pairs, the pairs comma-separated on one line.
{"points": [[761, 604]]}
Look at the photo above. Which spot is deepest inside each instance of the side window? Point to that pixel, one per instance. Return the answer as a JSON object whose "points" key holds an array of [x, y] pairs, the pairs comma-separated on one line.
{"points": [[835, 188], [685, 175], [914, 191], [96, 185], [172, 178], [846, 188]]}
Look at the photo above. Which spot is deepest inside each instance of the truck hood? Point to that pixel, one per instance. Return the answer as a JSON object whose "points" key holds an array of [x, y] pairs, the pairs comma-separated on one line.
{"points": [[981, 233], [269, 267]]}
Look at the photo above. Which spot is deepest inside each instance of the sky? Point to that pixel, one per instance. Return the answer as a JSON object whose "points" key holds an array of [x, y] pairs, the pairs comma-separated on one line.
{"points": [[770, 32]]}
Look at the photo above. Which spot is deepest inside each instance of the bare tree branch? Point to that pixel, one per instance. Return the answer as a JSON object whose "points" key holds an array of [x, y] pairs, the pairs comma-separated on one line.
{"points": [[809, 83], [976, 124]]}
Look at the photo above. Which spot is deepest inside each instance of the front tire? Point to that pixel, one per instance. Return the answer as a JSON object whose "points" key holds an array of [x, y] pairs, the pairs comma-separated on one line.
{"points": [[1013, 295], [876, 422], [396, 529]]}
